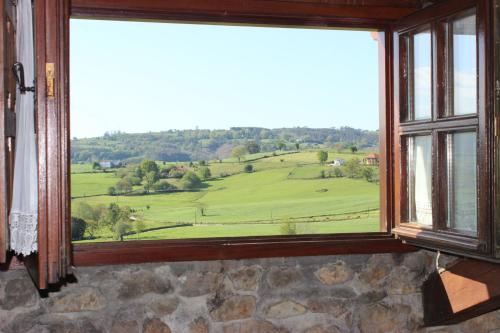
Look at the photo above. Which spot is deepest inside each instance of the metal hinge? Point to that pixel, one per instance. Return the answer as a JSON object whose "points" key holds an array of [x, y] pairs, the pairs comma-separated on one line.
{"points": [[496, 125], [50, 77]]}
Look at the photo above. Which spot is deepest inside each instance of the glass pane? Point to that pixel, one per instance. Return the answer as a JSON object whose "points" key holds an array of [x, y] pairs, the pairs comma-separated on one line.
{"points": [[464, 66], [420, 179], [462, 189], [422, 75]]}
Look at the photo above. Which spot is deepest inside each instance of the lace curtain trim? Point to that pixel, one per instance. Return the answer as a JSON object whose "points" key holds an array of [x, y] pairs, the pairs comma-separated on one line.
{"points": [[23, 233]]}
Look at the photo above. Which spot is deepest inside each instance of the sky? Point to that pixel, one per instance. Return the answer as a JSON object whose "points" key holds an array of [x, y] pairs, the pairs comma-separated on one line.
{"points": [[139, 77]]}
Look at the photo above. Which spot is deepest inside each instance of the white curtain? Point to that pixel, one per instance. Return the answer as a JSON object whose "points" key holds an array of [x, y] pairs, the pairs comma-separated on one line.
{"points": [[24, 211]]}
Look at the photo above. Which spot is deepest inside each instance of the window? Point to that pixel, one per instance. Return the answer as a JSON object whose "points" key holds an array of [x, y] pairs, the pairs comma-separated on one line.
{"points": [[437, 126], [224, 131], [442, 157]]}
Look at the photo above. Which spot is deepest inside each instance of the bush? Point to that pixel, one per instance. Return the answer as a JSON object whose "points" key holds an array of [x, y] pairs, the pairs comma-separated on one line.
{"points": [[248, 168], [177, 173], [368, 173], [78, 227], [123, 186], [111, 190], [337, 172], [163, 186], [352, 168], [135, 181], [204, 173], [288, 228], [190, 181]]}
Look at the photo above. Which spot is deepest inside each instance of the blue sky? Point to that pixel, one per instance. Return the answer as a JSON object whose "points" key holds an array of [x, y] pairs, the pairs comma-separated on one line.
{"points": [[141, 77]]}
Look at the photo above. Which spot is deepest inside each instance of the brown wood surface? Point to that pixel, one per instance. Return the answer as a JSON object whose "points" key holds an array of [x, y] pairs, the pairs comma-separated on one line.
{"points": [[51, 264], [336, 12], [3, 141], [263, 247], [440, 237], [463, 291]]}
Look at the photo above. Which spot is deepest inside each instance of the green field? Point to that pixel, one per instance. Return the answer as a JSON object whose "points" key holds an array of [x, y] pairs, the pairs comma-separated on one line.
{"points": [[282, 190]]}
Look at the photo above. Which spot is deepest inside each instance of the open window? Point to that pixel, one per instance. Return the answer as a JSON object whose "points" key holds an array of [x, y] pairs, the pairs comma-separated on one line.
{"points": [[436, 130], [443, 129]]}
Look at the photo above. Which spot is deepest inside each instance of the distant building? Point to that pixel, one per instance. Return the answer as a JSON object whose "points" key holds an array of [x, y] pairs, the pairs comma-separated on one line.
{"points": [[110, 164], [337, 162], [372, 159], [105, 164]]}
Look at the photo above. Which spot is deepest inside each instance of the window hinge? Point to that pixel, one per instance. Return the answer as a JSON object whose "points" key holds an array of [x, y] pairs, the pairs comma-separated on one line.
{"points": [[9, 144], [50, 77], [497, 125]]}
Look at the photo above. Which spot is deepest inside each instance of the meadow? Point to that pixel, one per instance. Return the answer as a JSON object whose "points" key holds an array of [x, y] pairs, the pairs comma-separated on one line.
{"points": [[287, 193]]}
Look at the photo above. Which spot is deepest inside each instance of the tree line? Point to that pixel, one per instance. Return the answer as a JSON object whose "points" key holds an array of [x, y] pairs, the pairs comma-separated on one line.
{"points": [[193, 145]]}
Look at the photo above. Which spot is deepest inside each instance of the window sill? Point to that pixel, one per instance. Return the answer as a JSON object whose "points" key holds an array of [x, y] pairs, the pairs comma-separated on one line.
{"points": [[448, 242], [133, 252]]}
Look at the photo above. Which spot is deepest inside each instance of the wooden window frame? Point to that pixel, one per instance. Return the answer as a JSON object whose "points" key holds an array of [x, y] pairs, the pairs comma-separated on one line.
{"points": [[439, 237], [54, 122]]}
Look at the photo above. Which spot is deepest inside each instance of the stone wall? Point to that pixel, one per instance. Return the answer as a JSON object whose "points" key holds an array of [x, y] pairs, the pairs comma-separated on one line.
{"points": [[355, 293]]}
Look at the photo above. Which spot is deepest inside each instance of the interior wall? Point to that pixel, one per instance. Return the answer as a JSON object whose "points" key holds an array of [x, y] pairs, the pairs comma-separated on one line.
{"points": [[348, 293]]}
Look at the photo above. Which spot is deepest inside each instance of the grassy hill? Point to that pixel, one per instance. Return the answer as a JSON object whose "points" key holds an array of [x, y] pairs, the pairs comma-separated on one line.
{"points": [[286, 189]]}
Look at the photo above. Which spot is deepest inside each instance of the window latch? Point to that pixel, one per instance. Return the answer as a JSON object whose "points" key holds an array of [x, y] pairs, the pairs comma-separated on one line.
{"points": [[18, 69]]}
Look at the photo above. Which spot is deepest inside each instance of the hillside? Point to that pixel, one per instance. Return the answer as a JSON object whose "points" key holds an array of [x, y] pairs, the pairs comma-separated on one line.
{"points": [[201, 144]]}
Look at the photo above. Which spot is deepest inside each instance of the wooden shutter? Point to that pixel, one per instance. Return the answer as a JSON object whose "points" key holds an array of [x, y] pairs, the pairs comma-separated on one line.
{"points": [[7, 118], [51, 264]]}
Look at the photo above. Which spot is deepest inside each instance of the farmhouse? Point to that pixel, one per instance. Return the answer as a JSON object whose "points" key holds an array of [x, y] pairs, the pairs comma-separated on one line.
{"points": [[412, 245], [372, 159], [337, 162]]}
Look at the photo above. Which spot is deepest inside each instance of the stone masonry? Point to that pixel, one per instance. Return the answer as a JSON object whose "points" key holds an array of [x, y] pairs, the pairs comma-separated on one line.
{"points": [[326, 294]]}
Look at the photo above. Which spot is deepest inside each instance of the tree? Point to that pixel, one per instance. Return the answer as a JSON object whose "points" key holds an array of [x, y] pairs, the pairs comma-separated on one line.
{"points": [[139, 227], [190, 181], [252, 147], [353, 149], [248, 168], [204, 173], [117, 219], [90, 214], [138, 172], [149, 180], [281, 145], [78, 227], [238, 152], [368, 173], [149, 166], [202, 163], [337, 172], [352, 168], [297, 145], [111, 190], [123, 186], [96, 166], [322, 156]]}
